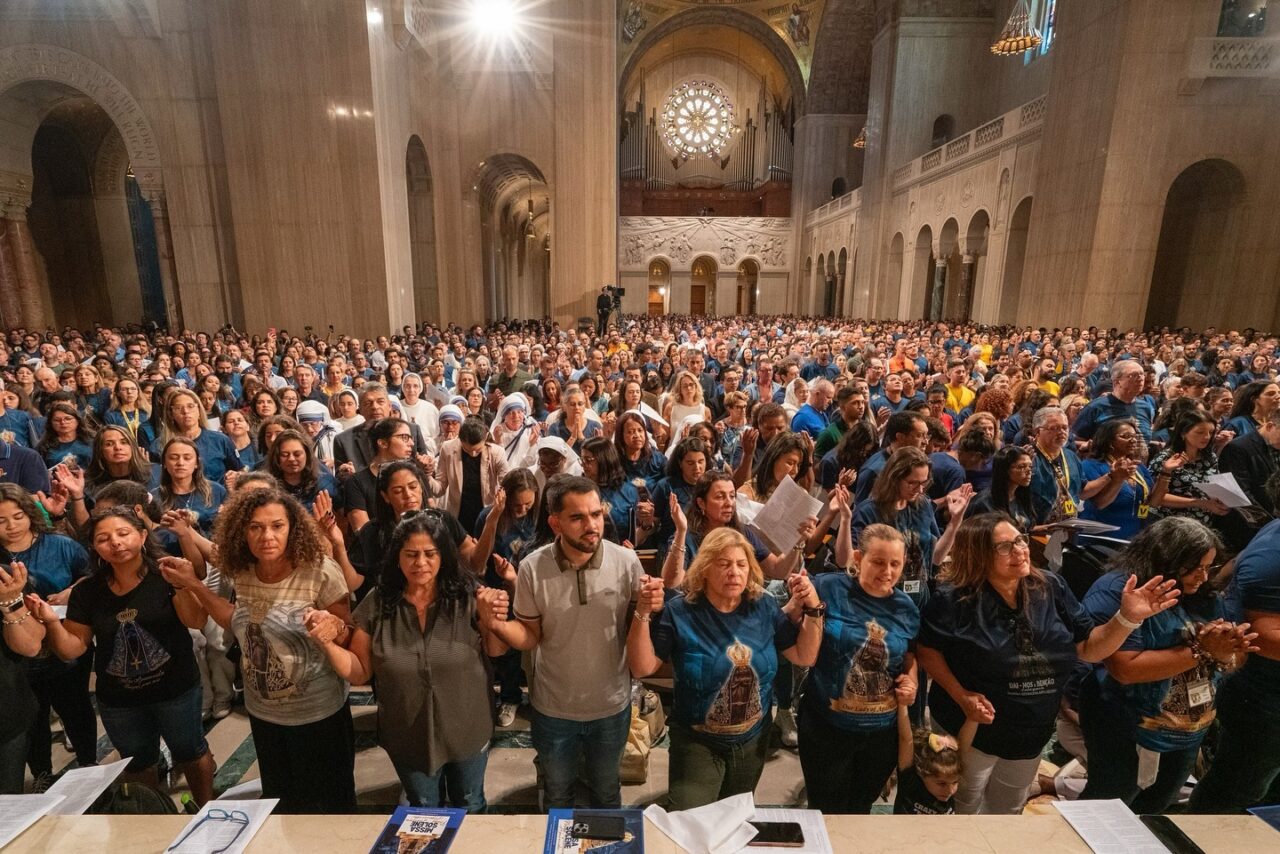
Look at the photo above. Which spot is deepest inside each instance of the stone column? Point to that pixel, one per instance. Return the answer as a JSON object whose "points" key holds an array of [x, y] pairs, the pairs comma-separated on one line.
{"points": [[164, 250], [964, 295], [937, 299], [25, 263], [10, 306]]}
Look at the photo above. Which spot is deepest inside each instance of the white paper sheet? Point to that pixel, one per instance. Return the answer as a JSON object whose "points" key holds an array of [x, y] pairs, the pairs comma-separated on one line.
{"points": [[82, 786], [1084, 526], [18, 812], [60, 610], [1225, 488], [652, 414], [1110, 827], [811, 824], [213, 835], [747, 509], [779, 520]]}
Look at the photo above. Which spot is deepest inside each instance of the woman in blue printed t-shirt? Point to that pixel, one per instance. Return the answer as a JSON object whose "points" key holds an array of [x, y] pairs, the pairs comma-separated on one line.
{"points": [[723, 638], [1118, 488], [866, 668], [68, 439], [1154, 698], [183, 486]]}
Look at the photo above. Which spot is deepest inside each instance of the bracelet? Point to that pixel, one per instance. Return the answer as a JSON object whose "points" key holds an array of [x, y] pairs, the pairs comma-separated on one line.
{"points": [[1128, 624], [76, 498], [678, 550], [18, 621], [644, 618], [11, 605]]}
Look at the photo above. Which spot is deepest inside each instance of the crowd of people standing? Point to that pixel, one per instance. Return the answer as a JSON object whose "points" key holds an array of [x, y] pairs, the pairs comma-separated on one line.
{"points": [[1023, 539]]}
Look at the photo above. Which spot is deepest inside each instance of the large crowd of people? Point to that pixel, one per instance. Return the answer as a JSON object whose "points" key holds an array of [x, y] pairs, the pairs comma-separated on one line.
{"points": [[1025, 539]]}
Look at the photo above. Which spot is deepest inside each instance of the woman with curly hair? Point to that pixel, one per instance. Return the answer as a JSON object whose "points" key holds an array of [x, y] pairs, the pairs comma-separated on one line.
{"points": [[273, 553]]}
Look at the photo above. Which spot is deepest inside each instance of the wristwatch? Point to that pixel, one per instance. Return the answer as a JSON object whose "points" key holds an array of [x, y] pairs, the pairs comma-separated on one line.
{"points": [[11, 606], [819, 611]]}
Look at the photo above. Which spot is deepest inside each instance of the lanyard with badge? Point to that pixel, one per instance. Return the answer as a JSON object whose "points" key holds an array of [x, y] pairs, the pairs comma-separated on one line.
{"points": [[1199, 685], [1063, 478], [1143, 507]]}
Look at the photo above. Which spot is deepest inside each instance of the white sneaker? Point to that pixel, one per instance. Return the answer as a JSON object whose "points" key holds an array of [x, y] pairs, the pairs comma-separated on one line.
{"points": [[786, 722], [506, 714]]}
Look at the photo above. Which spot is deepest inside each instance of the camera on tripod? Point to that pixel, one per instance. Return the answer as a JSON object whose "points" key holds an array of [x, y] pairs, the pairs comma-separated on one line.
{"points": [[616, 294]]}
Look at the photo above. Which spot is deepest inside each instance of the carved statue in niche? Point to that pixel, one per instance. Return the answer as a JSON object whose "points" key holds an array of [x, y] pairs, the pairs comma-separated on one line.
{"points": [[1002, 199], [633, 22]]}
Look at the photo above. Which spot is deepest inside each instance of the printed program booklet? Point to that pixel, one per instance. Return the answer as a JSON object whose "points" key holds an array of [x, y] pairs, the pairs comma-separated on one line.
{"points": [[419, 830]]}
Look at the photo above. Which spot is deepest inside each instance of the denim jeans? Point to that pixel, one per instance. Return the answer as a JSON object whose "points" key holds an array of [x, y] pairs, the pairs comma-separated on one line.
{"points": [[136, 731], [561, 742], [456, 784], [1113, 760], [703, 771], [1246, 767]]}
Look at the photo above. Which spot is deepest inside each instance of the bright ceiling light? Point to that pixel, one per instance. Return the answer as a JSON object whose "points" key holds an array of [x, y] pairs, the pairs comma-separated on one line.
{"points": [[496, 18], [375, 17]]}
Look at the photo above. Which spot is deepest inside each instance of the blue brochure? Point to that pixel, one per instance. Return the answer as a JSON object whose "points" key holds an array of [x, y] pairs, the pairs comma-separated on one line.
{"points": [[419, 830], [560, 838]]}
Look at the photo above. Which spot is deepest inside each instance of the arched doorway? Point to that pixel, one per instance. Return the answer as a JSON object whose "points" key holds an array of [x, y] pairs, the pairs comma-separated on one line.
{"points": [[659, 286], [806, 284], [922, 271], [973, 265], [842, 282], [515, 237], [821, 298], [748, 285], [1014, 259], [84, 225], [1194, 270], [702, 286], [422, 232], [891, 282]]}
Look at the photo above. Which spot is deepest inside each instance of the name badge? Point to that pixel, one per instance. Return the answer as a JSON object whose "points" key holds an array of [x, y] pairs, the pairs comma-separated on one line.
{"points": [[1199, 693], [911, 586], [1143, 510], [1069, 507]]}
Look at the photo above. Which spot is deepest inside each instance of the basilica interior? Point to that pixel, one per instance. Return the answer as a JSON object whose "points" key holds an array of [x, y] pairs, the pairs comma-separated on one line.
{"points": [[388, 162]]}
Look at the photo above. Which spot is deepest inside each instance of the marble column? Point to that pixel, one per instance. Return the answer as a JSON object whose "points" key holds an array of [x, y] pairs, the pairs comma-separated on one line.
{"points": [[25, 263], [164, 250], [10, 306], [964, 295], [938, 297]]}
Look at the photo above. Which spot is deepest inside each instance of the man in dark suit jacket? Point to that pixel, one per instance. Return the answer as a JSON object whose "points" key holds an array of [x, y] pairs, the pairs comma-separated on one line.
{"points": [[354, 445], [1253, 458]]}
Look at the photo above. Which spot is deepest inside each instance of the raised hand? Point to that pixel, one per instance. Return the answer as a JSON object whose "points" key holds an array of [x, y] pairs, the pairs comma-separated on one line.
{"points": [[677, 516], [346, 470], [229, 480], [178, 572], [650, 598], [750, 437], [1138, 603], [506, 569], [1173, 463], [807, 528], [72, 479], [55, 504], [801, 589], [958, 500], [12, 582], [499, 502], [847, 478]]}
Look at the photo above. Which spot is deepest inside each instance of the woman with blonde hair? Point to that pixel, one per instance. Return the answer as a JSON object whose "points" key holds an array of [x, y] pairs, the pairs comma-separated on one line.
{"points": [[184, 417], [685, 400], [723, 638]]}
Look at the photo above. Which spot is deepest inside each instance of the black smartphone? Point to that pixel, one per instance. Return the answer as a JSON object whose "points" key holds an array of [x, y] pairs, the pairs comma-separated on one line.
{"points": [[777, 834], [1170, 835], [608, 828]]}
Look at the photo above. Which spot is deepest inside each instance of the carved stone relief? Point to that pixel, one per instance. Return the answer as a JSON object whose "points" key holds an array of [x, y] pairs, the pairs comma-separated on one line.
{"points": [[730, 239]]}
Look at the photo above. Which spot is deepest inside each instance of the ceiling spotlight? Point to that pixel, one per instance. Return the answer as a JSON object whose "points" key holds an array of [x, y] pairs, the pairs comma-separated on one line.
{"points": [[500, 19], [375, 17]]}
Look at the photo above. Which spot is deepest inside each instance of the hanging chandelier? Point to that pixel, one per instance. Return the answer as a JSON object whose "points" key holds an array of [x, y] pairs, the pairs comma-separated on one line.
{"points": [[697, 120], [1019, 34], [861, 140]]}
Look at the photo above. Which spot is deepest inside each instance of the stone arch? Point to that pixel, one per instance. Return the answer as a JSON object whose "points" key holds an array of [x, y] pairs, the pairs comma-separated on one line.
{"points": [[891, 278], [739, 20], [422, 231], [748, 285], [1193, 275], [1015, 259], [702, 285], [944, 130], [514, 200]]}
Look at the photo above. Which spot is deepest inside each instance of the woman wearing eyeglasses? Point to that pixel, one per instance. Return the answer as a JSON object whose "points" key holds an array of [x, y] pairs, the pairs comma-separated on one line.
{"points": [[1118, 488], [1153, 700], [899, 500], [999, 638]]}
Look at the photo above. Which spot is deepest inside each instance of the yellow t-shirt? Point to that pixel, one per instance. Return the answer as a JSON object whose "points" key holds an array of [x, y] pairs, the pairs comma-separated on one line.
{"points": [[959, 398]]}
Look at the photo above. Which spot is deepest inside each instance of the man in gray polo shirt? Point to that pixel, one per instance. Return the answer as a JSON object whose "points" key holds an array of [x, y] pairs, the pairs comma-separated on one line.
{"points": [[572, 604]]}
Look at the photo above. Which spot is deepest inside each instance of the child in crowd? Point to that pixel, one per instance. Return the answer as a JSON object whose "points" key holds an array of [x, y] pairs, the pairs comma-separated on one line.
{"points": [[929, 767]]}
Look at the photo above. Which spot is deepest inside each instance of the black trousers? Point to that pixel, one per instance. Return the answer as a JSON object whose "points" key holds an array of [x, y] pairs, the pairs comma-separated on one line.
{"points": [[309, 767], [65, 689], [844, 772], [602, 321]]}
